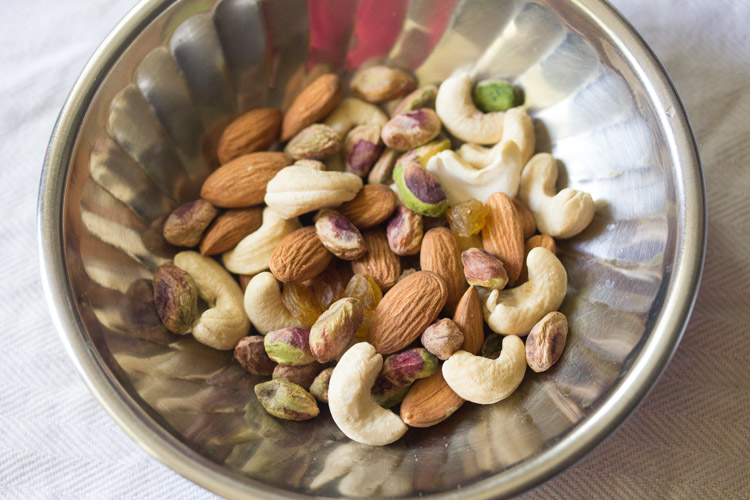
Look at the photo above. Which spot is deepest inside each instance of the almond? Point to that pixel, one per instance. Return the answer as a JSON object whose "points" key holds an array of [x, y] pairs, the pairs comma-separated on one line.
{"points": [[242, 182], [299, 256], [379, 262], [311, 105], [254, 131], [430, 401], [441, 254], [373, 204], [502, 234], [526, 217], [538, 240], [406, 310], [470, 320], [229, 228]]}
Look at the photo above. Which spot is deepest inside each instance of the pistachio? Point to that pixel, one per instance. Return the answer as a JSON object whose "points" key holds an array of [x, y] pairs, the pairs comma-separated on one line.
{"points": [[423, 153], [495, 95], [302, 375], [382, 171], [419, 189], [381, 83], [289, 346], [423, 97], [386, 394], [250, 353], [546, 341], [362, 148], [314, 164], [442, 338], [286, 400], [481, 268], [404, 232], [185, 225], [333, 331], [403, 368], [319, 386], [176, 298], [339, 236], [315, 142], [492, 346], [409, 130]]}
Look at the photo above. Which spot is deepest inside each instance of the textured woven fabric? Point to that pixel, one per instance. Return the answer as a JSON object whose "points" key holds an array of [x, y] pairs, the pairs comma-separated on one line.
{"points": [[689, 439]]}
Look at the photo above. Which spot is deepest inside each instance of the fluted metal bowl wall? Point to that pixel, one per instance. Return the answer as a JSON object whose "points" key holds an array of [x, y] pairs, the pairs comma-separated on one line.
{"points": [[136, 139]]}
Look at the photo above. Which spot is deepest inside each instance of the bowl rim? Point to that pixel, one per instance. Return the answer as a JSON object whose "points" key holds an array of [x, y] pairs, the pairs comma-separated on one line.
{"points": [[625, 395]]}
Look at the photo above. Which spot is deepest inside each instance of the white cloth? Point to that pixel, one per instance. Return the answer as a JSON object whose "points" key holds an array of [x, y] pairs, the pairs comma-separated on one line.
{"points": [[690, 437]]}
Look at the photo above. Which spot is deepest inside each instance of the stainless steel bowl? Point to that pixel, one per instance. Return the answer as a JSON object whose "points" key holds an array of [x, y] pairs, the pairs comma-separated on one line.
{"points": [[134, 140]]}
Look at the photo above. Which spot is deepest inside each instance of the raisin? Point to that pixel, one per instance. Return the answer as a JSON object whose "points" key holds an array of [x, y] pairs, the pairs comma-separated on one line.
{"points": [[328, 286], [365, 289], [301, 302], [467, 217]]}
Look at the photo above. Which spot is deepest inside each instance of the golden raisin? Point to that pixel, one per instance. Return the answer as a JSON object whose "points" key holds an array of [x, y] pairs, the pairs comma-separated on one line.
{"points": [[328, 287], [301, 302], [365, 289], [467, 217]]}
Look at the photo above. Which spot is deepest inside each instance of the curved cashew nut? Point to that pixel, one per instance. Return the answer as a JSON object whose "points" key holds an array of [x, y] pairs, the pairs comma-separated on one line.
{"points": [[352, 112], [461, 117], [264, 307], [296, 190], [517, 127], [252, 254], [560, 215], [351, 404], [483, 380], [515, 311], [224, 323], [461, 181]]}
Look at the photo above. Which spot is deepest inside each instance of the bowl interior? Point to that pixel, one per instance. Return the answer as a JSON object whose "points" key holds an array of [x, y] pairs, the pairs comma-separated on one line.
{"points": [[144, 142]]}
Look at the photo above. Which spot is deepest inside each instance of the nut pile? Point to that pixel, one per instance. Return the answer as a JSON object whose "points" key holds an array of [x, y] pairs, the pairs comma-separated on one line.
{"points": [[370, 254]]}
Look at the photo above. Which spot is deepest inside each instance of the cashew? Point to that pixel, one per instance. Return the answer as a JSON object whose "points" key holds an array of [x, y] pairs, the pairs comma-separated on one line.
{"points": [[351, 404], [517, 127], [461, 117], [560, 215], [224, 323], [264, 307], [352, 112], [483, 380], [297, 190], [515, 311], [461, 181], [252, 254]]}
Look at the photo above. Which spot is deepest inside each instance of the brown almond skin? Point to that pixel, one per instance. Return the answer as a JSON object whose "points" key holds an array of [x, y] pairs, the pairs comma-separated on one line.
{"points": [[379, 262], [441, 254], [242, 182], [299, 256], [373, 205], [406, 311], [312, 104], [470, 319], [229, 228], [430, 401], [253, 131], [526, 217], [538, 240], [502, 234]]}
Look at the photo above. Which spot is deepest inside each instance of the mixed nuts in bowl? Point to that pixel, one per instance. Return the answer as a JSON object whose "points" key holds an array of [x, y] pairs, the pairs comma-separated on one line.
{"points": [[387, 247]]}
